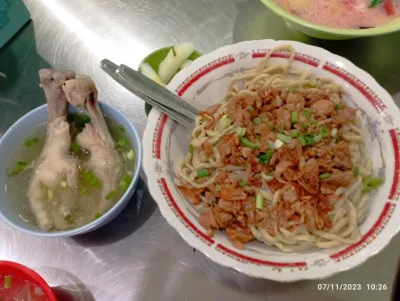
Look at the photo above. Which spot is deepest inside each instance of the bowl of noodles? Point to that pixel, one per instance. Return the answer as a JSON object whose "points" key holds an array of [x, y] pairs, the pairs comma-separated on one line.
{"points": [[291, 170]]}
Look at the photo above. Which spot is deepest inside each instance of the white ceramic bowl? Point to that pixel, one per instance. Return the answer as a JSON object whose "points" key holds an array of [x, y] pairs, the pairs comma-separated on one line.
{"points": [[14, 139], [204, 83]]}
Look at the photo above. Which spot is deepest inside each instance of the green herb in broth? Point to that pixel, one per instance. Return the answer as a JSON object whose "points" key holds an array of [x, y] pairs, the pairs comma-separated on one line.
{"points": [[91, 180], [121, 129], [111, 195], [75, 147], [125, 182], [30, 141], [78, 120], [20, 167], [122, 143]]}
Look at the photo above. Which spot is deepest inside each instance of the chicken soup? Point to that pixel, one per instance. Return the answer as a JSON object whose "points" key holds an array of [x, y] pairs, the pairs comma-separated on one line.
{"points": [[74, 168]]}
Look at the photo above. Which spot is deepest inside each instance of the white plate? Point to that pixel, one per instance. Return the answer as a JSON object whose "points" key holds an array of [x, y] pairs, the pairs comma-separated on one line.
{"points": [[204, 83]]}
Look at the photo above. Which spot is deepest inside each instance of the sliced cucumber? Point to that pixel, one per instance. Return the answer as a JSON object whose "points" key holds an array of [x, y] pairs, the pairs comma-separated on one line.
{"points": [[146, 70], [184, 50], [176, 58], [168, 67]]}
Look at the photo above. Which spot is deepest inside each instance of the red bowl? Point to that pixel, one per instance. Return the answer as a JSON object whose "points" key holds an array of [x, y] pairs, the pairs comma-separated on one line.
{"points": [[23, 272]]}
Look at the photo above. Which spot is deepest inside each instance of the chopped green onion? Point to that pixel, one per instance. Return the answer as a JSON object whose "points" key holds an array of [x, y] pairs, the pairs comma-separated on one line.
{"points": [[304, 125], [121, 129], [20, 167], [111, 195], [294, 133], [248, 143], [374, 3], [125, 182], [35, 140], [97, 215], [28, 142], [270, 152], [240, 132], [271, 174], [311, 140], [91, 179], [323, 131], [250, 108], [306, 113], [202, 173], [130, 155], [334, 132], [243, 184], [324, 176], [292, 89], [282, 130], [356, 171], [295, 117], [258, 138], [317, 138], [83, 191], [122, 143], [339, 106], [63, 184], [284, 138], [314, 122], [279, 144], [191, 148], [257, 121], [225, 122], [50, 194], [75, 147], [217, 187], [79, 120], [265, 158], [301, 140], [371, 183], [259, 201], [8, 281]]}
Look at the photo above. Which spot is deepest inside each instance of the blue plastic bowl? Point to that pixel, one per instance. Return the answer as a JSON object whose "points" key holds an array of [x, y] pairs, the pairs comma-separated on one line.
{"points": [[14, 138]]}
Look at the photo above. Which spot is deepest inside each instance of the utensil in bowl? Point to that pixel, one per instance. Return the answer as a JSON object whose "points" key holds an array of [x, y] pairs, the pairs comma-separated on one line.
{"points": [[152, 93]]}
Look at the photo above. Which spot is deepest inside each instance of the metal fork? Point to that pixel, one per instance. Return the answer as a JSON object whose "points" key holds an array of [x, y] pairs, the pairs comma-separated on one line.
{"points": [[152, 93]]}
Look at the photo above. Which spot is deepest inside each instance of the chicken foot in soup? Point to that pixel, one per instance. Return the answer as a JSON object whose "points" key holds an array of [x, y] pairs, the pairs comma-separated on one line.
{"points": [[50, 204], [104, 160]]}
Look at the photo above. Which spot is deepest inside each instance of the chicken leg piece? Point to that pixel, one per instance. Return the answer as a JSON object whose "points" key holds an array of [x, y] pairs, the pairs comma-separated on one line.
{"points": [[54, 164], [95, 137]]}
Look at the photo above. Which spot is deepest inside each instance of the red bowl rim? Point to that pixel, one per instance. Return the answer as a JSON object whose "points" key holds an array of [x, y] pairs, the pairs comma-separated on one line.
{"points": [[29, 274]]}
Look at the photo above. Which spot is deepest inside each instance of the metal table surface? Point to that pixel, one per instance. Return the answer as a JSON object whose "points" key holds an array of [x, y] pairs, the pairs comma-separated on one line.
{"points": [[139, 256]]}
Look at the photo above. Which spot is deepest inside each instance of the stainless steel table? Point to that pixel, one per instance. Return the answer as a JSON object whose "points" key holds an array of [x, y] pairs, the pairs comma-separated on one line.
{"points": [[139, 256]]}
